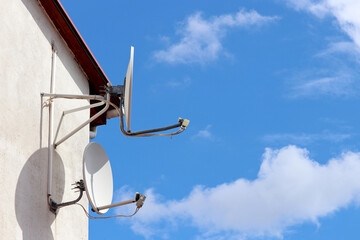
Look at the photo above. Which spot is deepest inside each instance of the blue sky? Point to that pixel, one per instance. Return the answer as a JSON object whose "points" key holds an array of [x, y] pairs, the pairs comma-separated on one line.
{"points": [[271, 89]]}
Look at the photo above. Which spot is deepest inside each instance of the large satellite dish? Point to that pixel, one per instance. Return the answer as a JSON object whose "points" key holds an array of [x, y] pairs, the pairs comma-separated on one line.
{"points": [[128, 89], [124, 110], [97, 177]]}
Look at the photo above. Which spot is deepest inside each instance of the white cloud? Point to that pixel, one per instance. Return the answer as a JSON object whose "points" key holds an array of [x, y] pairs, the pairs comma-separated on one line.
{"points": [[346, 13], [290, 189], [347, 48], [201, 39], [181, 84], [205, 133], [340, 79], [339, 85]]}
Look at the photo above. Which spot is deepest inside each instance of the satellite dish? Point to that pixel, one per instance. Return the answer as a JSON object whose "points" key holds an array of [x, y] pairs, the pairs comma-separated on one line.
{"points": [[128, 89], [98, 179], [124, 110]]}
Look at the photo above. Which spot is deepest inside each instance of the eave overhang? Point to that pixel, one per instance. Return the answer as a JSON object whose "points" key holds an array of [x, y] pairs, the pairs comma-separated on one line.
{"points": [[86, 60]]}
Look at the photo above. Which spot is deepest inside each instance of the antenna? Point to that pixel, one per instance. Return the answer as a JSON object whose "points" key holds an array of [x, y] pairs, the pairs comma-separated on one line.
{"points": [[97, 183], [98, 180], [124, 93]]}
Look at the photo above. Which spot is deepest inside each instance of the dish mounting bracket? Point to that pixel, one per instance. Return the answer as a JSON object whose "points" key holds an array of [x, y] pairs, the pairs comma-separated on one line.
{"points": [[79, 185], [102, 101], [116, 91]]}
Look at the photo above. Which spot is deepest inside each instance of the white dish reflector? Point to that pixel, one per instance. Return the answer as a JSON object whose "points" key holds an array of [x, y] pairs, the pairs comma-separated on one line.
{"points": [[128, 90], [98, 179]]}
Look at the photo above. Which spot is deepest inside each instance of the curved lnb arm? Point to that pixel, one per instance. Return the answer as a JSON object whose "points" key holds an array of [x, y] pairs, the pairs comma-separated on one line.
{"points": [[182, 124], [118, 91]]}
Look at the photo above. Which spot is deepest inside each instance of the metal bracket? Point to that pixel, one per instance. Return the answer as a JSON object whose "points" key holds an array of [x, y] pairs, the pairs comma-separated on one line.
{"points": [[102, 101], [55, 206], [115, 91]]}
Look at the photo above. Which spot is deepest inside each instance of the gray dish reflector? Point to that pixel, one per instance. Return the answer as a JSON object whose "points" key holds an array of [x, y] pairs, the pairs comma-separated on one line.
{"points": [[128, 90], [98, 178]]}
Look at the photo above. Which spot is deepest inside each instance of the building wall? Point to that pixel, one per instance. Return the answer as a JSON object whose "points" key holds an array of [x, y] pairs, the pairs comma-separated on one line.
{"points": [[25, 71]]}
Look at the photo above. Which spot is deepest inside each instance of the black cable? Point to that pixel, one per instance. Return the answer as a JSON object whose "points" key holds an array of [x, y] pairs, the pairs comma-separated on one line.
{"points": [[156, 129]]}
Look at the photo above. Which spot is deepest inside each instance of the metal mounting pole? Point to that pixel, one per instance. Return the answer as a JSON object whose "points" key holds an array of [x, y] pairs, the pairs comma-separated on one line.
{"points": [[51, 141], [51, 124]]}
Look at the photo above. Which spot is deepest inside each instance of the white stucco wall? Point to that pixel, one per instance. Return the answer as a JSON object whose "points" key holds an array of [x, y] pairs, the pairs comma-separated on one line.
{"points": [[25, 70]]}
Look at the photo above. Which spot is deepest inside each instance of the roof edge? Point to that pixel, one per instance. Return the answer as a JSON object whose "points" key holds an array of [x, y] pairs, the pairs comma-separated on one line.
{"points": [[84, 57]]}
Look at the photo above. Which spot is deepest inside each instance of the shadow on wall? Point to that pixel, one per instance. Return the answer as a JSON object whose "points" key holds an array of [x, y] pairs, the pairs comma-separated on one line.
{"points": [[31, 207]]}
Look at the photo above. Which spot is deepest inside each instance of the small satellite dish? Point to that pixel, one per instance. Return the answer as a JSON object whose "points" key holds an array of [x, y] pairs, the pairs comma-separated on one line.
{"points": [[128, 90], [98, 179]]}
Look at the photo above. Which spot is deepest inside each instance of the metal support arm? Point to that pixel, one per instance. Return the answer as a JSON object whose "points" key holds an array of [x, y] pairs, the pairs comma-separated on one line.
{"points": [[183, 123], [139, 200], [88, 97], [55, 206]]}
